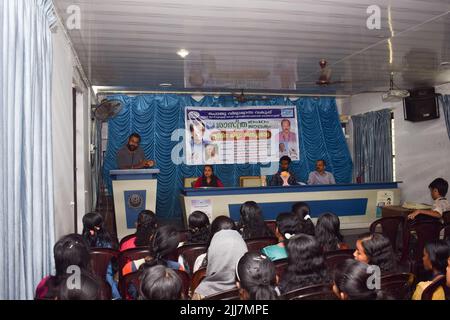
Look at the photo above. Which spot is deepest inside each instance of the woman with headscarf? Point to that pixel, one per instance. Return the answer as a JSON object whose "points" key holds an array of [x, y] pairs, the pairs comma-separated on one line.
{"points": [[224, 252]]}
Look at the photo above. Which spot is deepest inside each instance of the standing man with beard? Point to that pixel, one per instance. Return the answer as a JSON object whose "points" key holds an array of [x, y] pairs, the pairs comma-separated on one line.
{"points": [[131, 156]]}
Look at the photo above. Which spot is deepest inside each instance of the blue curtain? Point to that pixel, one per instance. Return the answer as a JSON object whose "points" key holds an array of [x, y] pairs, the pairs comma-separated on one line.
{"points": [[155, 117], [372, 141], [445, 102], [26, 179]]}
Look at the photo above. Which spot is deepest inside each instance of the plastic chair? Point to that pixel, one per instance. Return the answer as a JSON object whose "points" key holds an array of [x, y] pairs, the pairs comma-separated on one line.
{"points": [[257, 244], [315, 292], [399, 286], [390, 227], [131, 255], [427, 294], [190, 252], [100, 259], [333, 258], [197, 278]]}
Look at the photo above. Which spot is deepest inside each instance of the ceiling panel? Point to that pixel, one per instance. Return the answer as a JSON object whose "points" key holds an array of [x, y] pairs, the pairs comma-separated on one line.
{"points": [[260, 44]]}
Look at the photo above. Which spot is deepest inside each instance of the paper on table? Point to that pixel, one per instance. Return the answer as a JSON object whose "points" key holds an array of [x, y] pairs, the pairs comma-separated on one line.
{"points": [[204, 205]]}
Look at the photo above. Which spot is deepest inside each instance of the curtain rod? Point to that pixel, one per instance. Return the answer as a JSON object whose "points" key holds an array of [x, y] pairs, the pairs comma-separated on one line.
{"points": [[131, 92]]}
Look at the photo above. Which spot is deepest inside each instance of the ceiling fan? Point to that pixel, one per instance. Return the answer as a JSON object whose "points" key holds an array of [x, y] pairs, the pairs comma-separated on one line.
{"points": [[324, 77], [242, 98]]}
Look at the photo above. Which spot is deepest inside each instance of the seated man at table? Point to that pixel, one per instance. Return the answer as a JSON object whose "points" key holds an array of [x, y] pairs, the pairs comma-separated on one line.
{"points": [[284, 177], [131, 156], [438, 189], [320, 176]]}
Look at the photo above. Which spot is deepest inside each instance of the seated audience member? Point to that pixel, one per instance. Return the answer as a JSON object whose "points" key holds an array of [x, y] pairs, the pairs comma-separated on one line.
{"points": [[306, 264], [351, 282], [208, 179], [70, 250], [224, 252], [89, 288], [435, 257], [320, 176], [252, 223], [438, 190], [219, 223], [328, 232], [448, 267], [164, 242], [96, 236], [199, 230], [160, 283], [256, 278], [284, 177], [145, 228], [287, 227], [376, 249], [302, 210]]}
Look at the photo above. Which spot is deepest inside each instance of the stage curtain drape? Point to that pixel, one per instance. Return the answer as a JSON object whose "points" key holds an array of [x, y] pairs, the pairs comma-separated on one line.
{"points": [[26, 180], [372, 142], [445, 103], [155, 117]]}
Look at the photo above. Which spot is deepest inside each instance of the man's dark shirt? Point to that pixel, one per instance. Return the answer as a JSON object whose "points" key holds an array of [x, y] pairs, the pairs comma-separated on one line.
{"points": [[127, 158], [278, 181]]}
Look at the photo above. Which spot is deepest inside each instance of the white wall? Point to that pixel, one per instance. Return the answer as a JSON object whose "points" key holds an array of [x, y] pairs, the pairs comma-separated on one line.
{"points": [[65, 77], [422, 148]]}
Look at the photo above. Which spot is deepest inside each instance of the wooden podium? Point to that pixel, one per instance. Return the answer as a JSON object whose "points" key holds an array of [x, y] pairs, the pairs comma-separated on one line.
{"points": [[133, 191]]}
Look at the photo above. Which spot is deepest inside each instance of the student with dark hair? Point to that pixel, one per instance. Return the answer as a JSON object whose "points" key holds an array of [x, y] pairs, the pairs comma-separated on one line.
{"points": [[199, 228], [352, 282], [160, 283], [252, 223], [376, 249], [218, 224], [284, 177], [224, 252], [70, 250], [208, 179], [94, 231], [435, 257], [163, 244], [96, 236], [438, 190], [306, 264], [287, 227], [328, 232], [145, 228], [302, 210], [256, 277], [89, 288]]}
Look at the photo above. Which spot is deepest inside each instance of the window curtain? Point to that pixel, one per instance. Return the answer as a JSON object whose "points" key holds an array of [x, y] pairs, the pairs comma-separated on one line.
{"points": [[372, 142], [155, 117], [445, 102], [26, 185]]}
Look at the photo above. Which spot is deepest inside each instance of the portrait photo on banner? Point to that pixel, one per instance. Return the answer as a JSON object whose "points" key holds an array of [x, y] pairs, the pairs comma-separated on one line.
{"points": [[256, 134]]}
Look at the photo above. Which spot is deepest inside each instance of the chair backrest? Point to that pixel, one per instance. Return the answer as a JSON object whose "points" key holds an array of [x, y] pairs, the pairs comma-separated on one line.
{"points": [[190, 252], [427, 294], [126, 238], [232, 294], [398, 286], [389, 228], [280, 267], [250, 181], [446, 231], [105, 290], [197, 277], [315, 292], [183, 235], [131, 255], [125, 285], [100, 259], [185, 280], [272, 225], [446, 217], [257, 244], [189, 182], [333, 258], [426, 231]]}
